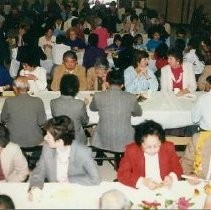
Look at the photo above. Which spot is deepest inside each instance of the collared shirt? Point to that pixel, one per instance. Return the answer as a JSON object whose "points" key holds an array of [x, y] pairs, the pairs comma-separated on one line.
{"points": [[62, 161], [152, 168], [135, 84], [201, 112]]}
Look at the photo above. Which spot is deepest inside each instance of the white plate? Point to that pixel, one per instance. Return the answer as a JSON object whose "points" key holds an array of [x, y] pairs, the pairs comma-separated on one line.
{"points": [[190, 95]]}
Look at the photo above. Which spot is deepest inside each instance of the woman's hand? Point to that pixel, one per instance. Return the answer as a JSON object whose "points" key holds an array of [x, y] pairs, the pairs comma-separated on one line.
{"points": [[183, 92], [148, 182], [30, 77], [168, 181]]}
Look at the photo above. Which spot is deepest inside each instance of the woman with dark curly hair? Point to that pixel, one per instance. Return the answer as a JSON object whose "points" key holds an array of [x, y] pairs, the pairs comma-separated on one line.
{"points": [[63, 159], [151, 161]]}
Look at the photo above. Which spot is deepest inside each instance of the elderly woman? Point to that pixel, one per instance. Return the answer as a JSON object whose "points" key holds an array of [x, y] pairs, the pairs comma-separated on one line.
{"points": [[96, 76], [63, 159], [178, 75], [139, 77], [150, 161], [13, 164], [67, 105]]}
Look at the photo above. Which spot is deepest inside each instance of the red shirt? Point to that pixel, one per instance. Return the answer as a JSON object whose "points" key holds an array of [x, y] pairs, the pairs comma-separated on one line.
{"points": [[103, 36], [2, 177], [177, 77], [160, 63]]}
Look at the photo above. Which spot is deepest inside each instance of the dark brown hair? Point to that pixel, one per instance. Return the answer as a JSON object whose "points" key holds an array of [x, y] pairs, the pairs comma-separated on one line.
{"points": [[61, 127]]}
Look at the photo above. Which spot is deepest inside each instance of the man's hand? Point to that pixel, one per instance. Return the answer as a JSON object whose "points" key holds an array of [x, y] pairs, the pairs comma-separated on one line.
{"points": [[35, 194], [194, 179]]}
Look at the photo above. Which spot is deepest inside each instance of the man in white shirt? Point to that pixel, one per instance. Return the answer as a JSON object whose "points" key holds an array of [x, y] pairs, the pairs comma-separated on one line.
{"points": [[201, 113]]}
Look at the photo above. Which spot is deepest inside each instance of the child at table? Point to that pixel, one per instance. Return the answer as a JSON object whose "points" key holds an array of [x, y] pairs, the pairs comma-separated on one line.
{"points": [[151, 161]]}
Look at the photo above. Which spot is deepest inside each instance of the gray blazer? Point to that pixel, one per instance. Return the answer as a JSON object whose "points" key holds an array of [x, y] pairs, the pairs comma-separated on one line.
{"points": [[115, 108], [76, 110], [24, 115], [81, 169]]}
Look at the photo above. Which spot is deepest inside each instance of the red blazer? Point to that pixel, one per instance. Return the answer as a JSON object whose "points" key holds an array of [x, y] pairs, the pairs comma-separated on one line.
{"points": [[132, 165]]}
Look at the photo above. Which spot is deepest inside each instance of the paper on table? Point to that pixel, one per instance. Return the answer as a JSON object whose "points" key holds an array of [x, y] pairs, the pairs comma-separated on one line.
{"points": [[190, 95]]}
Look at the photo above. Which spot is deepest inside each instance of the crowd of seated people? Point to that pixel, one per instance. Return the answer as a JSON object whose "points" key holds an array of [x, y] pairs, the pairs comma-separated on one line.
{"points": [[53, 45]]}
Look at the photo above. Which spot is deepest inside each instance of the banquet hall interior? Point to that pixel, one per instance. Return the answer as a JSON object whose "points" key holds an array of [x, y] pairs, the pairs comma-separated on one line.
{"points": [[105, 104]]}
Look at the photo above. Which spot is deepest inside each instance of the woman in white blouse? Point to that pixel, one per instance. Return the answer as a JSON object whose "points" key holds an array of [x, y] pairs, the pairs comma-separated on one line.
{"points": [[178, 75], [35, 75], [47, 41]]}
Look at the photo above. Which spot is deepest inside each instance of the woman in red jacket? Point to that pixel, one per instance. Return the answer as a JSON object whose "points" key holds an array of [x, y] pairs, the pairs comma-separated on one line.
{"points": [[151, 161]]}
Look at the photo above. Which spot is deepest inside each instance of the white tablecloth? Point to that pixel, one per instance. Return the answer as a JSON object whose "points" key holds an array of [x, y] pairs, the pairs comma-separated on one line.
{"points": [[67, 196], [169, 110]]}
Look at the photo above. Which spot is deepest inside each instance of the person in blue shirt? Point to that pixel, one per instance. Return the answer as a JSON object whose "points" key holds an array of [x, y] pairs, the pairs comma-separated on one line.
{"points": [[5, 78], [155, 40], [139, 77], [116, 45]]}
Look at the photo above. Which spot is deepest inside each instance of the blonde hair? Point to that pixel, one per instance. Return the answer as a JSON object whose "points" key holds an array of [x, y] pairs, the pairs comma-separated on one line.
{"points": [[71, 29]]}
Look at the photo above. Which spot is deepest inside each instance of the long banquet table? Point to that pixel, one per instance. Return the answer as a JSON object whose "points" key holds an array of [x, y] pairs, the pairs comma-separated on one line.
{"points": [[166, 108], [74, 196]]}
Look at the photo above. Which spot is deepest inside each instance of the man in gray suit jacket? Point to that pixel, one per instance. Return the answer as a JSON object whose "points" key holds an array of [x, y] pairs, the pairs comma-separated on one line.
{"points": [[115, 108], [67, 105], [62, 158], [23, 115]]}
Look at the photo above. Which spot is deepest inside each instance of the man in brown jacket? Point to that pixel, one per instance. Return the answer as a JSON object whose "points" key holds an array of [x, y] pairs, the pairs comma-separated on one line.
{"points": [[69, 66], [199, 149]]}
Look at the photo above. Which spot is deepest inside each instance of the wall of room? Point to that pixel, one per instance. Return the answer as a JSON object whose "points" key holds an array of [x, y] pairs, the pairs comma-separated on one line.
{"points": [[176, 11]]}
